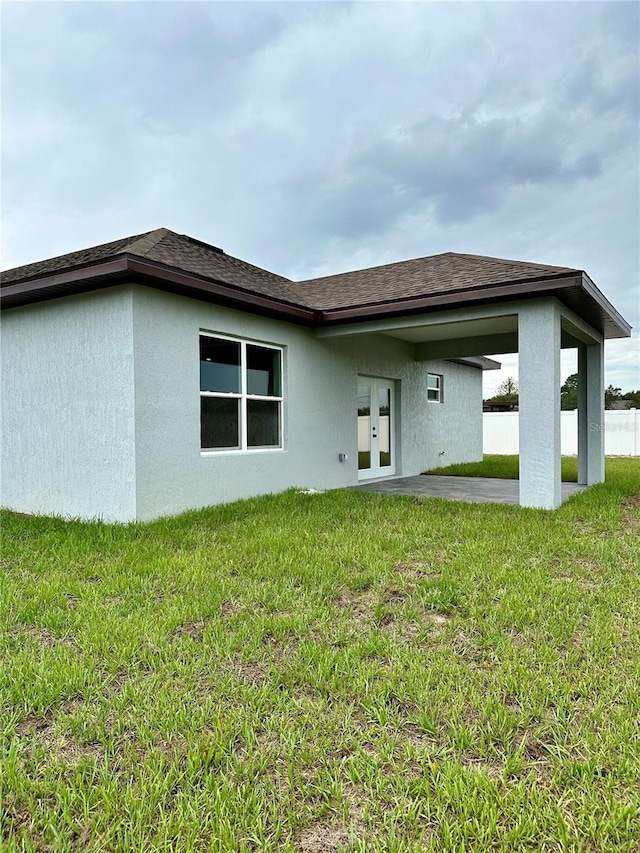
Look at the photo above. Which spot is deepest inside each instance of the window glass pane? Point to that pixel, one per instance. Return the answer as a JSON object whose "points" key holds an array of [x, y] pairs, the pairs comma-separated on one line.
{"points": [[263, 371], [434, 387], [384, 426], [219, 422], [263, 423], [219, 365], [364, 427], [433, 381]]}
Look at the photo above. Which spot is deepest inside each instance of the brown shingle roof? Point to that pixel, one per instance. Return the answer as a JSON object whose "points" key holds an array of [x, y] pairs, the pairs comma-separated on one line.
{"points": [[190, 255], [419, 277], [173, 250], [422, 276], [74, 259], [183, 265]]}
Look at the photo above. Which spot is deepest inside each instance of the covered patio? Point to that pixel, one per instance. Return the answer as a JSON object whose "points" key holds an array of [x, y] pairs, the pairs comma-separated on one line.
{"points": [[469, 489], [535, 319]]}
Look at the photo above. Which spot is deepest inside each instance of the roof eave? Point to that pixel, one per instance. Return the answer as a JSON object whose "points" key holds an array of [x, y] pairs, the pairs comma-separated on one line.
{"points": [[599, 297], [214, 290], [480, 362], [136, 270], [559, 286], [574, 288], [448, 299]]}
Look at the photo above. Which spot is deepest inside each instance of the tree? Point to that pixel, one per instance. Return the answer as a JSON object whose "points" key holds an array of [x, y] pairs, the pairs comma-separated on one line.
{"points": [[634, 399], [507, 391], [569, 393], [610, 395]]}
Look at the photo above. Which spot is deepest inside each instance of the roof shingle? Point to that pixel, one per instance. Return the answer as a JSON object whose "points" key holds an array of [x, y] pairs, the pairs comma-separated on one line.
{"points": [[189, 255], [418, 277], [184, 265], [174, 250], [74, 259], [435, 274]]}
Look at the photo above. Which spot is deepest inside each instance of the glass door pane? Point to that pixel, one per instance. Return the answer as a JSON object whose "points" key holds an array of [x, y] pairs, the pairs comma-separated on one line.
{"points": [[364, 427], [384, 427]]}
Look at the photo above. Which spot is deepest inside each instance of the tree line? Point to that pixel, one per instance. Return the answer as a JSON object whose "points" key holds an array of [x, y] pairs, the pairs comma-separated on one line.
{"points": [[508, 392]]}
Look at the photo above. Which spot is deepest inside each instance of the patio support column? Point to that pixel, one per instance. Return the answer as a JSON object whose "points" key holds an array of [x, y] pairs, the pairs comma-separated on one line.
{"points": [[539, 404], [591, 414]]}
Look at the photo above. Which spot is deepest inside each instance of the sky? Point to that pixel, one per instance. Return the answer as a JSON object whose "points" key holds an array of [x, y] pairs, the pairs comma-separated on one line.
{"points": [[315, 138]]}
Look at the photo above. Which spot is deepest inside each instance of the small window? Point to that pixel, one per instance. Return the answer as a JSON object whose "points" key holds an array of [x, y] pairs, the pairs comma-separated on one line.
{"points": [[240, 395], [434, 387]]}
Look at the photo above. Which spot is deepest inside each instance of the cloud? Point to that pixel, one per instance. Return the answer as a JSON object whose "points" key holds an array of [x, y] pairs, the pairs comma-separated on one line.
{"points": [[461, 166], [316, 137], [459, 162]]}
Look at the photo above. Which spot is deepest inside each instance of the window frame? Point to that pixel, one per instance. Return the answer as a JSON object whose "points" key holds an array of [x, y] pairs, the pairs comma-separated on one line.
{"points": [[244, 397], [439, 390]]}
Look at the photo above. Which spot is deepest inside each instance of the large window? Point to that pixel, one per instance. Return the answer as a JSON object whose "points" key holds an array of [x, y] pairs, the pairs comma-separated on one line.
{"points": [[240, 394]]}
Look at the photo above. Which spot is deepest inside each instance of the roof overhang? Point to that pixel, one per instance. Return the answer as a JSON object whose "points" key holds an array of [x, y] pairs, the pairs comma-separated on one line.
{"points": [[480, 362], [134, 270], [575, 290]]}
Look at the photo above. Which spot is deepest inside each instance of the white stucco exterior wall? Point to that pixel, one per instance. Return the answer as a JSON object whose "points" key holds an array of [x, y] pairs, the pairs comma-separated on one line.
{"points": [[320, 381], [431, 434], [67, 407], [101, 407]]}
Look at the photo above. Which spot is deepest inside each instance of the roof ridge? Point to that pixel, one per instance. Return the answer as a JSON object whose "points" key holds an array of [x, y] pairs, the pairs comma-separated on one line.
{"points": [[509, 261], [376, 267], [440, 255], [143, 243]]}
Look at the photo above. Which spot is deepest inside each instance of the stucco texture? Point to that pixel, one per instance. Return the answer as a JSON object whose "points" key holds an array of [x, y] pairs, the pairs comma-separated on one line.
{"points": [[101, 407], [320, 382], [67, 407]]}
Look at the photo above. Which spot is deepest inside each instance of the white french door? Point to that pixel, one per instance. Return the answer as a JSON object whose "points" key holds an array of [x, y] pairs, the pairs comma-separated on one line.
{"points": [[376, 428]]}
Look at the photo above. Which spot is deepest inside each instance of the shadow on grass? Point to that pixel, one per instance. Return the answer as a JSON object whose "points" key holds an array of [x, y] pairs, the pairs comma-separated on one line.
{"points": [[503, 467]]}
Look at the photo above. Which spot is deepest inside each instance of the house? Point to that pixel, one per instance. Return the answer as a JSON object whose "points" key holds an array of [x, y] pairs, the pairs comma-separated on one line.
{"points": [[157, 373], [499, 406]]}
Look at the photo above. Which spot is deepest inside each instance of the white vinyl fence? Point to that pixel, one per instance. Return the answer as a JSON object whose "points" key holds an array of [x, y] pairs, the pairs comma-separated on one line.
{"points": [[621, 432]]}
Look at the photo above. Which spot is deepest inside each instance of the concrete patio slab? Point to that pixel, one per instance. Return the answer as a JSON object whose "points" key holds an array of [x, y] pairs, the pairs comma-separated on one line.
{"points": [[470, 489]]}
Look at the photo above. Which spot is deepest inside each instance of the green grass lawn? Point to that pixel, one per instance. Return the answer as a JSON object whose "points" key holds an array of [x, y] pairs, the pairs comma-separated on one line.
{"points": [[339, 671], [503, 467]]}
